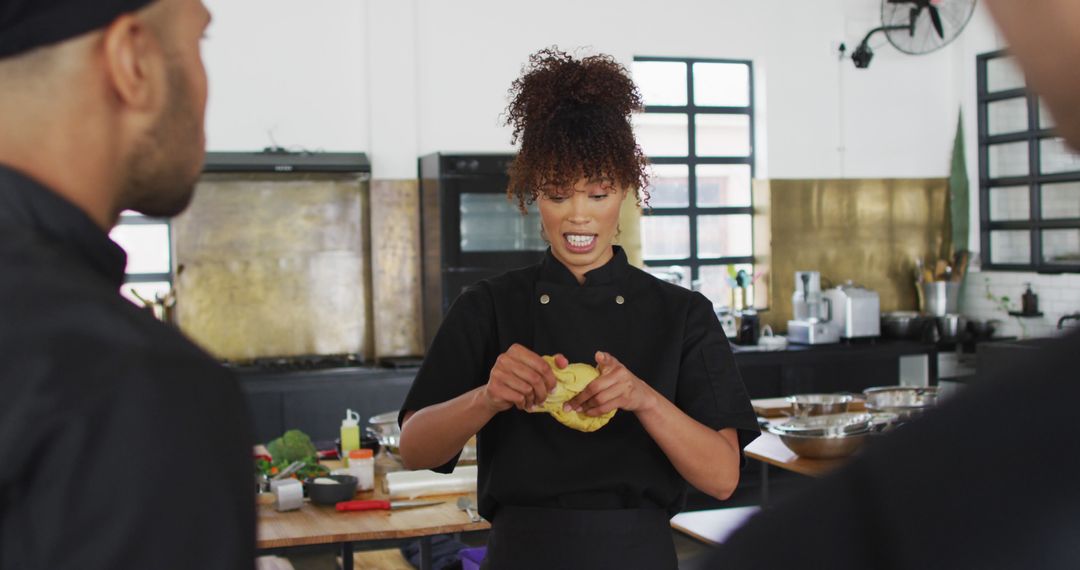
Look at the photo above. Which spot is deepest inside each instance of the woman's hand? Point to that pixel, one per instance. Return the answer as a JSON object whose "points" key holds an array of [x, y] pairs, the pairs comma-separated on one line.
{"points": [[615, 389], [520, 378]]}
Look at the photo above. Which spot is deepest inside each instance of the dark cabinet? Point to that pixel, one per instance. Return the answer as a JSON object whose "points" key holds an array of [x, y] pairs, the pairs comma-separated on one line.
{"points": [[315, 401]]}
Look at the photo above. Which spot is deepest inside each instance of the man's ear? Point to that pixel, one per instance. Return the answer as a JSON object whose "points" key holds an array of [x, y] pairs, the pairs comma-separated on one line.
{"points": [[132, 62]]}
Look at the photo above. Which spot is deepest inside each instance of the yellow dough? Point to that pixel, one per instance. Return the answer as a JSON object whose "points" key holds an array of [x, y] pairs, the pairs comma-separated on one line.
{"points": [[572, 380]]}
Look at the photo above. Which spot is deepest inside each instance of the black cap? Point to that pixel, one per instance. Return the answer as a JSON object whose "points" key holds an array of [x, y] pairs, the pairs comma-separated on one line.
{"points": [[27, 24]]}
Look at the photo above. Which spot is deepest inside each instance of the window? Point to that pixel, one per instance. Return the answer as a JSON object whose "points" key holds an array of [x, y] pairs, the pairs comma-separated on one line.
{"points": [[1029, 182], [698, 131], [149, 263]]}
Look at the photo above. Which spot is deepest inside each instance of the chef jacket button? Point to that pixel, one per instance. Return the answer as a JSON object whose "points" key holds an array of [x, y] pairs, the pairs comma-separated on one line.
{"points": [[619, 299], [544, 299]]}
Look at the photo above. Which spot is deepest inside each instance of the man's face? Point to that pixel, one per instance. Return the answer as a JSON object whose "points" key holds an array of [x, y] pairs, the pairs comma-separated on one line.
{"points": [[1044, 37], [168, 159]]}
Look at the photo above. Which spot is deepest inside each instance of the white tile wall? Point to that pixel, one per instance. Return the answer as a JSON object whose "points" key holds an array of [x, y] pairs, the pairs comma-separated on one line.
{"points": [[1058, 295]]}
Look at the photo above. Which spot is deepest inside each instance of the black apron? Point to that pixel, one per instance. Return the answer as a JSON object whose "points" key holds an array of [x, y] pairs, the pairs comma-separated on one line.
{"points": [[534, 538], [611, 531]]}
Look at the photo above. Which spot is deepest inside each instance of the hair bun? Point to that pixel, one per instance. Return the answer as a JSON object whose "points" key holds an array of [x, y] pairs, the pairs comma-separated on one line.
{"points": [[572, 117]]}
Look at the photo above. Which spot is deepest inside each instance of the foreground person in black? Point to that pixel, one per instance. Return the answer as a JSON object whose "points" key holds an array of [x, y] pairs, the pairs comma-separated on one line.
{"points": [[122, 445], [556, 497], [988, 480]]}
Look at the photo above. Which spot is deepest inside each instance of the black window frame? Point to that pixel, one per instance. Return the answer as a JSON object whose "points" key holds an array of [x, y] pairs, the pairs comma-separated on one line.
{"points": [[692, 161], [1034, 179]]}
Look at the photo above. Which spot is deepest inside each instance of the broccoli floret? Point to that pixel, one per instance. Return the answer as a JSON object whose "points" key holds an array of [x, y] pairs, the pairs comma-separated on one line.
{"points": [[294, 445]]}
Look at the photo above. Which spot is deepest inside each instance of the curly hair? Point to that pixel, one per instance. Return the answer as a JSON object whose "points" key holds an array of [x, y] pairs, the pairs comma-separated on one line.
{"points": [[572, 118]]}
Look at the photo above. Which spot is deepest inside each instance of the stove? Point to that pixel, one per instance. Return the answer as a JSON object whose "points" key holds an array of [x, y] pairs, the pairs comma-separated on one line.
{"points": [[294, 363]]}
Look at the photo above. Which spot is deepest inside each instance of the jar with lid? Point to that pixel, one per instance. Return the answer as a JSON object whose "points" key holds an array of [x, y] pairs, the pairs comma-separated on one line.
{"points": [[362, 466]]}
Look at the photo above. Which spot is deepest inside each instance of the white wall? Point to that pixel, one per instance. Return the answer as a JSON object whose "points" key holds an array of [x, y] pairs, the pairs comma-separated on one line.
{"points": [[288, 73], [399, 78]]}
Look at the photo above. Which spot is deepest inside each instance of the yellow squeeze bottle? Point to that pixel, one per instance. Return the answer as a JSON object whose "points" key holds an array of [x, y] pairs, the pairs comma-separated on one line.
{"points": [[350, 434]]}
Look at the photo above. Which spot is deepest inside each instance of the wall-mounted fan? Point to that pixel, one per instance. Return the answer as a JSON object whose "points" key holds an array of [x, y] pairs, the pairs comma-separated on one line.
{"points": [[917, 26]]}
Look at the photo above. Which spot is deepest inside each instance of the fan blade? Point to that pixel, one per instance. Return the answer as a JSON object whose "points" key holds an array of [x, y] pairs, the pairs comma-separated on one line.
{"points": [[935, 17]]}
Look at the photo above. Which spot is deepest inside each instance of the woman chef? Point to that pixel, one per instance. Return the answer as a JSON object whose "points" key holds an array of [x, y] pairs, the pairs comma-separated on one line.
{"points": [[557, 497]]}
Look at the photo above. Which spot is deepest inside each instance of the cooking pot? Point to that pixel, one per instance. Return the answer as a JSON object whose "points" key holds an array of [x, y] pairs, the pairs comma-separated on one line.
{"points": [[903, 325]]}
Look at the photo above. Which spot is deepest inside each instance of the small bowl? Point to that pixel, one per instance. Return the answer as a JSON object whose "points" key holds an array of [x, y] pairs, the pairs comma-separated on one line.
{"points": [[327, 494], [905, 401], [803, 405]]}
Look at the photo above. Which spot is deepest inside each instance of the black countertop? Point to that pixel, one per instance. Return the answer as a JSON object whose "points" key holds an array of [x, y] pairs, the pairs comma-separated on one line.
{"points": [[848, 350]]}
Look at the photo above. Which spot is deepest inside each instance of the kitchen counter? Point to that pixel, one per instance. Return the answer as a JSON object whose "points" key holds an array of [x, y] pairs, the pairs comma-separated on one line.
{"points": [[846, 349], [842, 367]]}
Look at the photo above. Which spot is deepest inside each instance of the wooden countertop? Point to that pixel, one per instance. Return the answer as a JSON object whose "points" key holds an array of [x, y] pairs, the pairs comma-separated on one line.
{"points": [[319, 524], [771, 450]]}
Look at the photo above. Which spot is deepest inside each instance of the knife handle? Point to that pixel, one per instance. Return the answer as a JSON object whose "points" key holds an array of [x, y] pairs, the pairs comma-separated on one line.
{"points": [[369, 505]]}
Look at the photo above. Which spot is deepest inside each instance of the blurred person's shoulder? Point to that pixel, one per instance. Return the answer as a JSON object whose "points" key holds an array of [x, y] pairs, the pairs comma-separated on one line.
{"points": [[64, 326]]}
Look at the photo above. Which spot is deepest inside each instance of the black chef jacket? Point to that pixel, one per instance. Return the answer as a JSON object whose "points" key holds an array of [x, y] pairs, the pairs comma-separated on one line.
{"points": [[988, 480], [122, 445], [666, 335]]}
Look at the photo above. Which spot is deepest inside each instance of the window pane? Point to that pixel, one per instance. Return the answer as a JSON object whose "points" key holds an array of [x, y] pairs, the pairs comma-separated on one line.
{"points": [[662, 134], [661, 82], [147, 246], [665, 237], [490, 222], [1007, 116], [1010, 246], [721, 84], [150, 291], [669, 186], [1002, 74], [1056, 157], [1009, 159], [723, 135], [723, 185], [1061, 246], [1010, 203], [677, 274], [718, 285], [725, 236], [1046, 120], [1061, 201]]}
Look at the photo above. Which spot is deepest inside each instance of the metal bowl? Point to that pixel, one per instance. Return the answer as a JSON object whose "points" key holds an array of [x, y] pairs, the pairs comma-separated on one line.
{"points": [[384, 427], [803, 405], [826, 425], [821, 446], [905, 401]]}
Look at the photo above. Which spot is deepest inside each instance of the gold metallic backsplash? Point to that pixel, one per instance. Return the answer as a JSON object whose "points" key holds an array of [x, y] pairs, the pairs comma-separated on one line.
{"points": [[395, 260], [866, 230], [267, 266], [272, 265]]}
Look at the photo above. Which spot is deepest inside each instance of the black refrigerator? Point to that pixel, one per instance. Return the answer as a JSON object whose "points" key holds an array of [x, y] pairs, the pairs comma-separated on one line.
{"points": [[469, 229]]}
